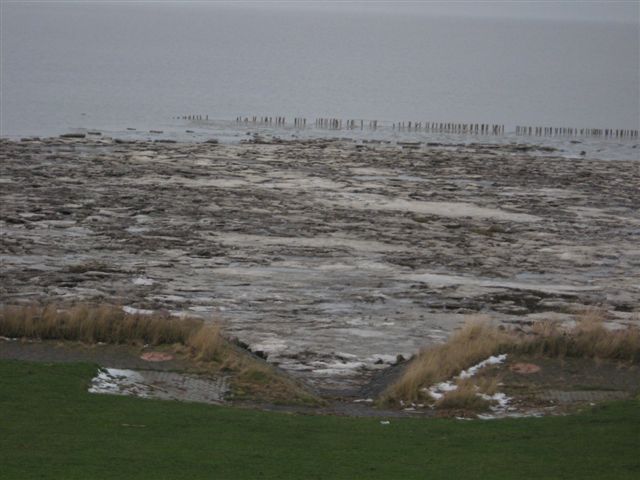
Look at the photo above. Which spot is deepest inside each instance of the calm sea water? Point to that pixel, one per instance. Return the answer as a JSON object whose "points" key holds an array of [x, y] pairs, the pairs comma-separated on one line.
{"points": [[111, 66]]}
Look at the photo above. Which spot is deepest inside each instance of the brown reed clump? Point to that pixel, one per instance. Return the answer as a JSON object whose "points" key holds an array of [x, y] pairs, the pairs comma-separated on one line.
{"points": [[206, 343], [464, 398], [589, 338], [477, 340], [93, 324]]}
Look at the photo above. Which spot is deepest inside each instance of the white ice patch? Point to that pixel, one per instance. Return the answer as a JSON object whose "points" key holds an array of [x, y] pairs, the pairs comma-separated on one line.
{"points": [[137, 311], [115, 381], [271, 345], [142, 281], [492, 360], [438, 280], [501, 401], [444, 209], [159, 385], [142, 218], [438, 390], [136, 229], [502, 408], [345, 355], [202, 308], [335, 368]]}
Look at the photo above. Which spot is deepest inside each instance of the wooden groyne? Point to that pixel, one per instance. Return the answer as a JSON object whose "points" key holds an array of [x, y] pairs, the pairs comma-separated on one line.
{"points": [[194, 117], [431, 127], [449, 127], [361, 124], [576, 132], [349, 124], [256, 120]]}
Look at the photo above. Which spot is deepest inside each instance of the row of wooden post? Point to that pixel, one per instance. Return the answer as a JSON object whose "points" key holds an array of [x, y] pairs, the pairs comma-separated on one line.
{"points": [[194, 117], [574, 132], [435, 127], [439, 127], [338, 124], [255, 120]]}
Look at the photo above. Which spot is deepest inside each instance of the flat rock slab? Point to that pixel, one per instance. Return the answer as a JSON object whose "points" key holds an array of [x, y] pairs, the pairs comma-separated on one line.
{"points": [[160, 385], [582, 396], [116, 356]]}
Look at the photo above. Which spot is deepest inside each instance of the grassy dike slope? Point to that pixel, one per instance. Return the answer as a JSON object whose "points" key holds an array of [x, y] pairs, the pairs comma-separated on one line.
{"points": [[50, 427]]}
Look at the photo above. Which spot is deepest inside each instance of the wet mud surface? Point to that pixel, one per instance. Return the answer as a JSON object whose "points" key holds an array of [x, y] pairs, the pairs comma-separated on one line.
{"points": [[331, 257]]}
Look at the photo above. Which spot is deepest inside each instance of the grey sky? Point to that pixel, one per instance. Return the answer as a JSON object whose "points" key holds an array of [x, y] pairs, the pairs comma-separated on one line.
{"points": [[627, 11]]}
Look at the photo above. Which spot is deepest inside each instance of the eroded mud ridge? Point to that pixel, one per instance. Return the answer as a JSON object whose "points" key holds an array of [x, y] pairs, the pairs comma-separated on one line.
{"points": [[331, 257]]}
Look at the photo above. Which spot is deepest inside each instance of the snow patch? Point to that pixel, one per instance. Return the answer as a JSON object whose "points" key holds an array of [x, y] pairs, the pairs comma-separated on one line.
{"points": [[116, 381], [438, 280], [137, 311], [335, 368], [270, 345], [492, 360], [142, 281], [444, 209], [439, 390], [136, 229], [501, 400]]}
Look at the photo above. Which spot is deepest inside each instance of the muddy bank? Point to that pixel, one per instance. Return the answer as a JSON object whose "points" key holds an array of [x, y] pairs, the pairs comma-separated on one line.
{"points": [[331, 257]]}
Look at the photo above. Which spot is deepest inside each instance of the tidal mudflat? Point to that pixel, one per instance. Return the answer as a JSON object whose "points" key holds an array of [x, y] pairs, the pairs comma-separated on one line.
{"points": [[332, 257]]}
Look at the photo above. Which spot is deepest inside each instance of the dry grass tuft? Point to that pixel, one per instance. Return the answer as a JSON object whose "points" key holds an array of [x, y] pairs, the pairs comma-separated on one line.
{"points": [[486, 385], [478, 339], [464, 398], [92, 324], [207, 344], [588, 339]]}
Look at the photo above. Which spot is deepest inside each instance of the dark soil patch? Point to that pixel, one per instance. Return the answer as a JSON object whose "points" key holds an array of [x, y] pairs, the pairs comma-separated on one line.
{"points": [[566, 383], [115, 356]]}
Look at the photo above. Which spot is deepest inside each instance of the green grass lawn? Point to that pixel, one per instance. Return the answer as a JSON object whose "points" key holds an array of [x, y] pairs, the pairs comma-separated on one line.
{"points": [[50, 427]]}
